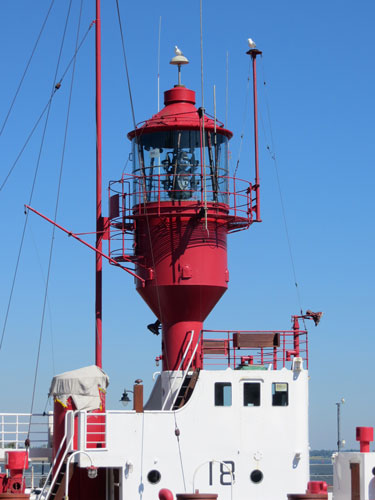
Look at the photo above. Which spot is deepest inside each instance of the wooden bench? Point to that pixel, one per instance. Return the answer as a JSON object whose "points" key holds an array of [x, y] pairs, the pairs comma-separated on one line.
{"points": [[215, 347], [255, 340]]}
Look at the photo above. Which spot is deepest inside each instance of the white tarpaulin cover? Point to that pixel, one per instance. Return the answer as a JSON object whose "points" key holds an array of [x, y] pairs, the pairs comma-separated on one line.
{"points": [[81, 385]]}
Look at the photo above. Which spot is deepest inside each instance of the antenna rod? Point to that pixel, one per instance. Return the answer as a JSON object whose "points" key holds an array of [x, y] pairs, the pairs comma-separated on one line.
{"points": [[253, 53], [159, 64], [226, 88], [99, 218]]}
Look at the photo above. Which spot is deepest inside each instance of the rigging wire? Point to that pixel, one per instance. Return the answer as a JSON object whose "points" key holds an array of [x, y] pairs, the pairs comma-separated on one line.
{"points": [[126, 164], [55, 217], [48, 302], [48, 109], [56, 88], [126, 63], [27, 67], [137, 139], [140, 159], [271, 151]]}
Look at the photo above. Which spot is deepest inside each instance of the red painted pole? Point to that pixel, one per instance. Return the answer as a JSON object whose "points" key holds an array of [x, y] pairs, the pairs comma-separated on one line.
{"points": [[99, 219], [253, 53], [296, 335], [69, 233]]}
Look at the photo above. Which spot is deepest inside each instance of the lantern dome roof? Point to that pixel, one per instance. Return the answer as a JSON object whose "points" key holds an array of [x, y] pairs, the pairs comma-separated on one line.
{"points": [[179, 113]]}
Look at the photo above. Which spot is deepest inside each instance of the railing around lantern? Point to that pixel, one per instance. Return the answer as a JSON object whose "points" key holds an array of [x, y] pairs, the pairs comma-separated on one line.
{"points": [[253, 349], [152, 184], [152, 190], [136, 190]]}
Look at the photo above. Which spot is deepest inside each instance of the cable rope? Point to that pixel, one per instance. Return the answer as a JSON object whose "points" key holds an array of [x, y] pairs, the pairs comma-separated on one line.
{"points": [[177, 430], [57, 87], [126, 63], [243, 120], [137, 139], [48, 302], [55, 217], [48, 108], [140, 159], [139, 146], [126, 164], [45, 406], [27, 67], [272, 153]]}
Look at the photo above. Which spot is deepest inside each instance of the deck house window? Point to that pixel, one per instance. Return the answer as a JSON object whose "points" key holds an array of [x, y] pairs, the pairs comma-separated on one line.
{"points": [[223, 394], [280, 395], [251, 394]]}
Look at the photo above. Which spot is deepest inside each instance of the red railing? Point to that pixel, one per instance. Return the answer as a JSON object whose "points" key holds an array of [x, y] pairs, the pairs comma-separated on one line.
{"points": [[135, 195], [134, 191], [220, 349], [96, 427]]}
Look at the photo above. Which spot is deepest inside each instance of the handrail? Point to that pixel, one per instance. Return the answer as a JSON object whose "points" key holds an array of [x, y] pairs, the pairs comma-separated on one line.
{"points": [[68, 465], [187, 369], [276, 356], [178, 369], [186, 351], [235, 197], [14, 428], [66, 451]]}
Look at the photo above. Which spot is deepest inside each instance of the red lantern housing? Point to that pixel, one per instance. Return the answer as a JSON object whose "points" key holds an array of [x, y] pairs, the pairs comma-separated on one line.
{"points": [[180, 203]]}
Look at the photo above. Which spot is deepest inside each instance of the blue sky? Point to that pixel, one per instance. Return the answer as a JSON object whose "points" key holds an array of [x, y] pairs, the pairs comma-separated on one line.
{"points": [[319, 74]]}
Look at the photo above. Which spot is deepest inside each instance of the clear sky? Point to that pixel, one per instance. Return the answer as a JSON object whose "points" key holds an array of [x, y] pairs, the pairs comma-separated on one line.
{"points": [[316, 79]]}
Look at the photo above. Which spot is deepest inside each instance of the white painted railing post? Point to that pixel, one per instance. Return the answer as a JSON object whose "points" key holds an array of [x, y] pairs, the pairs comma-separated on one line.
{"points": [[82, 430]]}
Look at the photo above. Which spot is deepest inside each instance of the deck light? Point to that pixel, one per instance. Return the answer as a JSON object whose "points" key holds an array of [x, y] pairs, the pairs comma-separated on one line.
{"points": [[92, 472], [155, 327], [125, 400]]}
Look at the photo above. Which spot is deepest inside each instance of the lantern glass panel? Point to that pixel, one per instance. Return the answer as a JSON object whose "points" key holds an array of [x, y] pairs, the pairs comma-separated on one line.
{"points": [[167, 166]]}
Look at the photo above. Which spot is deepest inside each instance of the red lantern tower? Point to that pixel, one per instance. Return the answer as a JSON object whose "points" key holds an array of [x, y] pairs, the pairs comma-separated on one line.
{"points": [[180, 203]]}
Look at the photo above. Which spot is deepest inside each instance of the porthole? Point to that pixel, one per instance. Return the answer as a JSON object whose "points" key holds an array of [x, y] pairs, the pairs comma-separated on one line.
{"points": [[154, 476], [256, 476]]}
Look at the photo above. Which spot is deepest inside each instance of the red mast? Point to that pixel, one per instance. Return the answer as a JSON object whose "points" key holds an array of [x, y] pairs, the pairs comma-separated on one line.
{"points": [[254, 53], [99, 219]]}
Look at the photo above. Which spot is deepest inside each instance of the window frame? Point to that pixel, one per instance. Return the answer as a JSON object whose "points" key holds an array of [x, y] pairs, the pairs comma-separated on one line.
{"points": [[274, 392], [254, 383], [217, 396]]}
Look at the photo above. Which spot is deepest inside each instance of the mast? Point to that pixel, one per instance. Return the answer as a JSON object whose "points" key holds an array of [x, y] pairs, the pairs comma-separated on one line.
{"points": [[254, 53], [99, 219]]}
